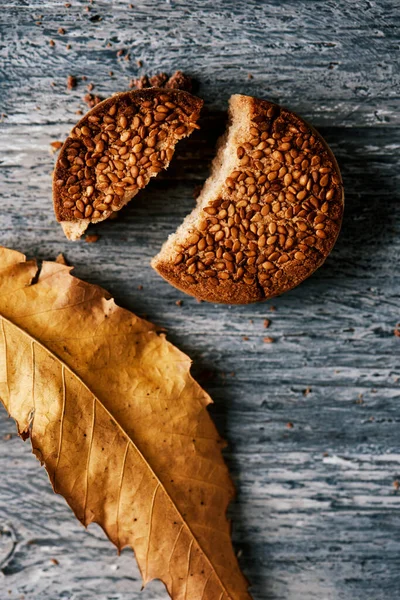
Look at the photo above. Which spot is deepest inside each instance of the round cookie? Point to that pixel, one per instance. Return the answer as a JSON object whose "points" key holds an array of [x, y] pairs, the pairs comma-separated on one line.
{"points": [[268, 215]]}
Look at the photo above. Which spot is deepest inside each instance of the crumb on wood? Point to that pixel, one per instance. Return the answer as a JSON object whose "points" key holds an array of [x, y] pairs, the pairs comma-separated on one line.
{"points": [[268, 340], [120, 52], [56, 145], [396, 484], [179, 302], [7, 437], [307, 391], [92, 99], [67, 5], [289, 425], [272, 308], [54, 561], [92, 238], [68, 46], [249, 76], [139, 287], [90, 87], [180, 81], [61, 30], [396, 330], [111, 73], [245, 338], [71, 82], [52, 43], [158, 80], [139, 63], [267, 323], [177, 81], [78, 112]]}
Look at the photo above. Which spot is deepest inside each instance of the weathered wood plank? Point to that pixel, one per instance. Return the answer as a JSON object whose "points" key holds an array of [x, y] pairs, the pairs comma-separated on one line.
{"points": [[317, 513]]}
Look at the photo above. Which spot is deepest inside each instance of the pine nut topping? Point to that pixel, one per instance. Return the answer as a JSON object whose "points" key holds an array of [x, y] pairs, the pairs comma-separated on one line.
{"points": [[279, 207], [116, 149]]}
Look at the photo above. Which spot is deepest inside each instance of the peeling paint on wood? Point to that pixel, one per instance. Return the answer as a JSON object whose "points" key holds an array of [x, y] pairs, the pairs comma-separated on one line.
{"points": [[317, 515]]}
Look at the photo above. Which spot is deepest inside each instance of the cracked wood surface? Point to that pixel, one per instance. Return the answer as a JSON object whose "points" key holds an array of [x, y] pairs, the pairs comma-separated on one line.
{"points": [[317, 513]]}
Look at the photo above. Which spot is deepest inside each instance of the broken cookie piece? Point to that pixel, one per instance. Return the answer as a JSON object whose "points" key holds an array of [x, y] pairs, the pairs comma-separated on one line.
{"points": [[115, 149], [268, 215]]}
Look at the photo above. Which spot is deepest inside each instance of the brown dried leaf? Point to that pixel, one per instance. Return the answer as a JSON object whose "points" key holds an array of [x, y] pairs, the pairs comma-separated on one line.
{"points": [[120, 426]]}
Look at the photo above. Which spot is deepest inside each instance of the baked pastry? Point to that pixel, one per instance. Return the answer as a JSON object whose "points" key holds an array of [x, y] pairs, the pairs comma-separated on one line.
{"points": [[268, 215], [115, 149]]}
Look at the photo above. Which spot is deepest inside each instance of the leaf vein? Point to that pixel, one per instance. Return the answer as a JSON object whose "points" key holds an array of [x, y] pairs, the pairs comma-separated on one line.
{"points": [[88, 462]]}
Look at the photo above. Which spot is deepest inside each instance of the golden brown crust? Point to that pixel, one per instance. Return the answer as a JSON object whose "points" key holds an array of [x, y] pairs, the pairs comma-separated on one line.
{"points": [[114, 150], [275, 222]]}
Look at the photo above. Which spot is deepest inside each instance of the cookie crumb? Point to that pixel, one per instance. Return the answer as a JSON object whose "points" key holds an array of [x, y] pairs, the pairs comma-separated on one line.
{"points": [[179, 302], [91, 100], [158, 80], [245, 338], [52, 43], [289, 425], [177, 81], [267, 323], [61, 31], [92, 239], [139, 287], [396, 330], [396, 484], [56, 146], [180, 81], [71, 82], [307, 391], [268, 340]]}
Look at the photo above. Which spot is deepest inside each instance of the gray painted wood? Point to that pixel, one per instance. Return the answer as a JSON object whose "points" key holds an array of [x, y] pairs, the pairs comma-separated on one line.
{"points": [[317, 515]]}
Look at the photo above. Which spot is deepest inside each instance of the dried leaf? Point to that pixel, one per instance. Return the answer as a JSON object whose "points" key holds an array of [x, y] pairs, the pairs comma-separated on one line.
{"points": [[120, 425]]}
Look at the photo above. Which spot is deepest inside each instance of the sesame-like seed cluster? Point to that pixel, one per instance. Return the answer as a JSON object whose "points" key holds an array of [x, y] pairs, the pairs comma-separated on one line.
{"points": [[278, 215], [114, 152]]}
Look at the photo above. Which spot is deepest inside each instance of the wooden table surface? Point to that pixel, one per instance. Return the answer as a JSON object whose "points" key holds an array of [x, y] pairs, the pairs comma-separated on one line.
{"points": [[318, 510]]}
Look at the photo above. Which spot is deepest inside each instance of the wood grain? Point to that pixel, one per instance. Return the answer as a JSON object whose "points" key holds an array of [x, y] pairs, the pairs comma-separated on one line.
{"points": [[317, 514]]}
